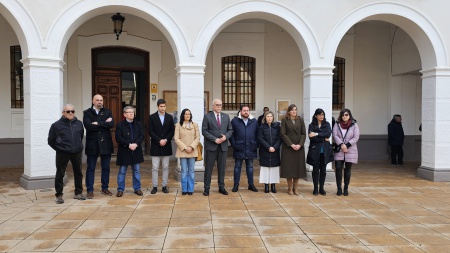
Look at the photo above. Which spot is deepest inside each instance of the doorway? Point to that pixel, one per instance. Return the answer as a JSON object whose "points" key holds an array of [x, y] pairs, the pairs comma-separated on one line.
{"points": [[121, 76]]}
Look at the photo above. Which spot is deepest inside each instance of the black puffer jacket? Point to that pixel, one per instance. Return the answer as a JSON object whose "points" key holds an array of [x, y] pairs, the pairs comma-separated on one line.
{"points": [[66, 136], [395, 133], [269, 136], [317, 142]]}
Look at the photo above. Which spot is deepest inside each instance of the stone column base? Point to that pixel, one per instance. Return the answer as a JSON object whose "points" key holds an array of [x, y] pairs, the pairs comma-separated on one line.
{"points": [[32, 183], [441, 175]]}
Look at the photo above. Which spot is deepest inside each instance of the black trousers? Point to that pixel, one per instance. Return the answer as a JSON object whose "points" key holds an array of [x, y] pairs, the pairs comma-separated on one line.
{"points": [[347, 173], [396, 152], [62, 159], [210, 158], [319, 172]]}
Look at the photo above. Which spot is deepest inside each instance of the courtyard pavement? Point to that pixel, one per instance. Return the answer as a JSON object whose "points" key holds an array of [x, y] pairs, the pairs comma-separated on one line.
{"points": [[389, 209]]}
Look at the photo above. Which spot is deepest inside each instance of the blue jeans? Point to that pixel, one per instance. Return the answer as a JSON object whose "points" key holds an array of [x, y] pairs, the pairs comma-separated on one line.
{"points": [[136, 177], [90, 171], [249, 170], [187, 174]]}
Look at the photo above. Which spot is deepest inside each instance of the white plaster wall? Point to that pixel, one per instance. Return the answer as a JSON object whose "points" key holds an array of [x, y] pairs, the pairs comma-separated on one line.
{"points": [[405, 56], [12, 119], [132, 26]]}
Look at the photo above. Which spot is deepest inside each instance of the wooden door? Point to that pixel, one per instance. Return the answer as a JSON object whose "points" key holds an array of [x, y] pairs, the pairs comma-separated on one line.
{"points": [[108, 84]]}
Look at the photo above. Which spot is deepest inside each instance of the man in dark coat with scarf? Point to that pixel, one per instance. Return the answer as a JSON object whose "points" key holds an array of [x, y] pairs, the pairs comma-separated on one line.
{"points": [[245, 144], [98, 122], [395, 138], [161, 130], [129, 137]]}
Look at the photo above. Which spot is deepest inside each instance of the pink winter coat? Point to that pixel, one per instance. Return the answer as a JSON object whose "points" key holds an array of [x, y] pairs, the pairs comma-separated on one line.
{"points": [[352, 137]]}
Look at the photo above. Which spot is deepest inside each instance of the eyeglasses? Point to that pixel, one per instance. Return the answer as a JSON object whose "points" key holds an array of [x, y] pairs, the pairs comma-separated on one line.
{"points": [[69, 111], [218, 104], [345, 114], [129, 112]]}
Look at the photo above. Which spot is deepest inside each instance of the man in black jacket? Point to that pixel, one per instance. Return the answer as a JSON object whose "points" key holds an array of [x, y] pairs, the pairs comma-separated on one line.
{"points": [[161, 130], [395, 138], [65, 137], [98, 122]]}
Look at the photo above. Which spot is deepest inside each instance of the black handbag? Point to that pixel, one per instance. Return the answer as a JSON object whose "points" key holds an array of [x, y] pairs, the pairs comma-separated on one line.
{"points": [[336, 148]]}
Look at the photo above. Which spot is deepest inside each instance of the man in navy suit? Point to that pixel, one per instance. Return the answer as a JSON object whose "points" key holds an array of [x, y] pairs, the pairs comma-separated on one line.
{"points": [[161, 130], [216, 128]]}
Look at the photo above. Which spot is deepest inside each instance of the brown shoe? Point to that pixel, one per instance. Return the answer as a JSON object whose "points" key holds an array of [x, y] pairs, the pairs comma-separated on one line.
{"points": [[90, 195], [139, 192], [106, 192], [119, 194]]}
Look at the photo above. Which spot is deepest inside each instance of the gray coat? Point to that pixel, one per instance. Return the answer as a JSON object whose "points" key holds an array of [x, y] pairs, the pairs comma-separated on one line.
{"points": [[293, 163], [211, 131]]}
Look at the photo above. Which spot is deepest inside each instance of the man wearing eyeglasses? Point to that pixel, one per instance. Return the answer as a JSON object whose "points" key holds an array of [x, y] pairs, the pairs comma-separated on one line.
{"points": [[65, 137], [98, 122], [216, 128]]}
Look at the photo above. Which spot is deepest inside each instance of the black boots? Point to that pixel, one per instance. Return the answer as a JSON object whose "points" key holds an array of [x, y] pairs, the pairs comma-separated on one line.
{"points": [[235, 188], [272, 187], [252, 188], [266, 188], [339, 190], [347, 176]]}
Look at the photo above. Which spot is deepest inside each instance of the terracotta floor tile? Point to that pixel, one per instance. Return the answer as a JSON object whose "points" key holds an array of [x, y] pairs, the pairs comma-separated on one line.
{"points": [[335, 240], [15, 234], [345, 212], [218, 214], [269, 213], [185, 222], [239, 206], [137, 223], [427, 239], [92, 233], [101, 215], [381, 240], [37, 245], [344, 248], [235, 230], [411, 229], [191, 213], [286, 241], [355, 221], [396, 249], [140, 214], [189, 231], [366, 229], [21, 224], [239, 241], [50, 234], [314, 220], [241, 250], [104, 223], [189, 242], [323, 229], [279, 230], [234, 221], [205, 250], [63, 224], [138, 243], [192, 206], [273, 221]]}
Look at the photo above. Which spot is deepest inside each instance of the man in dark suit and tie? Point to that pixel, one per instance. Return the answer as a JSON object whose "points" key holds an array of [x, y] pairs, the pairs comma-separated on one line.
{"points": [[161, 130], [216, 128]]}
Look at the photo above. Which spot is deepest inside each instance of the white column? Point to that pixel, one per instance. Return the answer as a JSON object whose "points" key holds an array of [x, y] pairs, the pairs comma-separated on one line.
{"points": [[317, 93], [435, 164], [43, 81], [190, 87]]}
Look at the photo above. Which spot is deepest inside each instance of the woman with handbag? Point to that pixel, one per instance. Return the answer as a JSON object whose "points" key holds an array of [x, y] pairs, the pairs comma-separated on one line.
{"points": [[320, 152], [269, 152], [187, 138], [346, 135], [293, 134]]}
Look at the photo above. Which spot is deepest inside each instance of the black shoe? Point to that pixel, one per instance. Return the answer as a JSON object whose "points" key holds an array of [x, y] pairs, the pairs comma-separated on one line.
{"points": [[165, 189], [339, 191], [206, 192], [223, 191], [266, 188], [322, 191], [345, 191], [252, 188], [154, 190], [315, 191], [183, 193], [274, 190], [235, 188], [189, 193]]}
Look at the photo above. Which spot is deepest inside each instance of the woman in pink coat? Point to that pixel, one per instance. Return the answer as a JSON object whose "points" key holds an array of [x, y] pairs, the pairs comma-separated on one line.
{"points": [[346, 135]]}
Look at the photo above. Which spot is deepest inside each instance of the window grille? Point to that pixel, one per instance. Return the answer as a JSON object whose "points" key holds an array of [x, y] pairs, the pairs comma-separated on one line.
{"points": [[16, 77], [339, 83], [238, 82]]}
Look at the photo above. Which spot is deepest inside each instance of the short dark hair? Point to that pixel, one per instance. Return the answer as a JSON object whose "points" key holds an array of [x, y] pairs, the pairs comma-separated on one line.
{"points": [[265, 107], [242, 106], [160, 101]]}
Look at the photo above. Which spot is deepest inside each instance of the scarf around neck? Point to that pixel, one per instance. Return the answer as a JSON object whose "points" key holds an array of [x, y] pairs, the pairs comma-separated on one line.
{"points": [[345, 125]]}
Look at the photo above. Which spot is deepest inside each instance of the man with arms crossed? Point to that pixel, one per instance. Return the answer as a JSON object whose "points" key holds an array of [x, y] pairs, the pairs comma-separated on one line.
{"points": [[98, 122]]}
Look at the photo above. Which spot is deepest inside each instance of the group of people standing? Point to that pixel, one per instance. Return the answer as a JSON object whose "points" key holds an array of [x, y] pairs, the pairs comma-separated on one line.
{"points": [[281, 147]]}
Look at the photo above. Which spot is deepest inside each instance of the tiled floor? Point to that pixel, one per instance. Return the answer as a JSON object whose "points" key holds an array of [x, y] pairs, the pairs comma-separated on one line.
{"points": [[389, 210]]}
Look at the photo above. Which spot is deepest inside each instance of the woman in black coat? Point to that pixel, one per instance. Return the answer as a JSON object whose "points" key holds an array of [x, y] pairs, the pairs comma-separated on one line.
{"points": [[269, 152], [129, 137], [320, 152]]}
